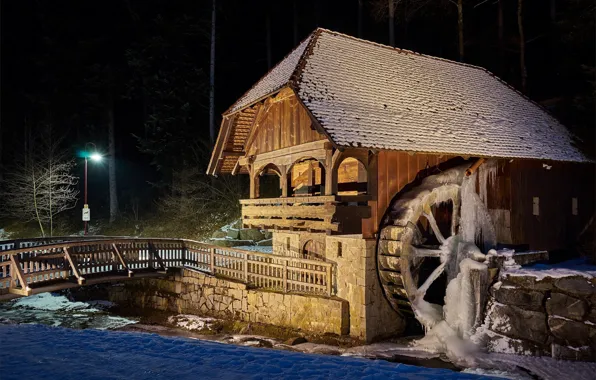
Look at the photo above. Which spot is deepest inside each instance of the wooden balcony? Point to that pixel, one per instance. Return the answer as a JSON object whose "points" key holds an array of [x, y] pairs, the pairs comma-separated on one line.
{"points": [[328, 213]]}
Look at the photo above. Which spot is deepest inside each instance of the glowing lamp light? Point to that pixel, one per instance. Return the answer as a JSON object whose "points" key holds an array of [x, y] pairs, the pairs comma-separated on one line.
{"points": [[96, 157]]}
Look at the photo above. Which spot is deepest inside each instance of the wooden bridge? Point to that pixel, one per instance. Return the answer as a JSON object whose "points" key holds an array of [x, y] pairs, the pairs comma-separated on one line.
{"points": [[41, 265]]}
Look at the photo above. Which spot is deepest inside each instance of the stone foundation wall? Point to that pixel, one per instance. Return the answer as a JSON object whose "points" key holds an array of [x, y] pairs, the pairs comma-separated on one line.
{"points": [[191, 292], [544, 317], [371, 316]]}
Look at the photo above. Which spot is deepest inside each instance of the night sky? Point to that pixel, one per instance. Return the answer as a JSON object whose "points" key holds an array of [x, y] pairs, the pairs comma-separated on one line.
{"points": [[61, 60]]}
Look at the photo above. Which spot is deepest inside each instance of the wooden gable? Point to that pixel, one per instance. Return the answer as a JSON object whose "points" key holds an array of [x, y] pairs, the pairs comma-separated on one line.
{"points": [[280, 121]]}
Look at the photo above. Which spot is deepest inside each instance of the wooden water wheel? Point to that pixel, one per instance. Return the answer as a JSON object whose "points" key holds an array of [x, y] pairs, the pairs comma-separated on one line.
{"points": [[414, 227]]}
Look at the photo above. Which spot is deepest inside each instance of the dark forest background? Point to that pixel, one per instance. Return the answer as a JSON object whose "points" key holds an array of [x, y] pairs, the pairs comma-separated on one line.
{"points": [[76, 67]]}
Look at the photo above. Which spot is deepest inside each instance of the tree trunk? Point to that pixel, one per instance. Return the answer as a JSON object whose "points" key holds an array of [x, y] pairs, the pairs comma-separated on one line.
{"points": [[112, 164], [1, 145], [501, 40], [522, 45], [268, 37], [360, 18], [391, 5], [460, 28], [212, 78], [295, 21]]}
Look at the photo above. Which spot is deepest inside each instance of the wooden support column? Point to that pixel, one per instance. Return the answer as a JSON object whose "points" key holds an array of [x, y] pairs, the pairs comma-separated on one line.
{"points": [[75, 268], [254, 182], [283, 179], [15, 269], [337, 155], [329, 172]]}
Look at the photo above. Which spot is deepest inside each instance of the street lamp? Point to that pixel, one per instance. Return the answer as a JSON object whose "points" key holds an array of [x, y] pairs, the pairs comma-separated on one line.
{"points": [[96, 157]]}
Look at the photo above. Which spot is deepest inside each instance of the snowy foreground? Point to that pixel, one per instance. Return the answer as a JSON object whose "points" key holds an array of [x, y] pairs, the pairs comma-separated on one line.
{"points": [[38, 351]]}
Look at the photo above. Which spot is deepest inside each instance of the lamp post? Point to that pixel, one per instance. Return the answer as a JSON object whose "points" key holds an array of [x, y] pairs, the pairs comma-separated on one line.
{"points": [[86, 210]]}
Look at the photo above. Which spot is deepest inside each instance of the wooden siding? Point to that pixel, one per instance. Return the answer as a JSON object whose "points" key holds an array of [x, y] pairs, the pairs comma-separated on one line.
{"points": [[283, 122], [392, 171], [555, 227]]}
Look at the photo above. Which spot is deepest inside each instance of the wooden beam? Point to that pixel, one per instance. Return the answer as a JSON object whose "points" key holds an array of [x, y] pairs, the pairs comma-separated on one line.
{"points": [[16, 269], [118, 255], [292, 223], [73, 265]]}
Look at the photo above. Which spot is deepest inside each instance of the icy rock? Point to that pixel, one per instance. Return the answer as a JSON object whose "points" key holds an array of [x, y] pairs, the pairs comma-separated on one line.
{"points": [[571, 332], [576, 285], [233, 233], [506, 345], [516, 322], [528, 282], [219, 234], [526, 299], [265, 243], [251, 234], [591, 317], [566, 306], [583, 354], [296, 340]]}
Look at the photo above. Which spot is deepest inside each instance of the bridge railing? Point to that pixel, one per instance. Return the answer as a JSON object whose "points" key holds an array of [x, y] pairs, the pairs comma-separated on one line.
{"points": [[43, 264]]}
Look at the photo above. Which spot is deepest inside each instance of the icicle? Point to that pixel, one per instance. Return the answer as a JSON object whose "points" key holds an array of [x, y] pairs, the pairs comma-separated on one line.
{"points": [[475, 220], [487, 173]]}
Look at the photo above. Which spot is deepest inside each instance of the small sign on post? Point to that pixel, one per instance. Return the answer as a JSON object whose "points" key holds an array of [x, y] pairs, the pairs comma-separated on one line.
{"points": [[86, 213]]}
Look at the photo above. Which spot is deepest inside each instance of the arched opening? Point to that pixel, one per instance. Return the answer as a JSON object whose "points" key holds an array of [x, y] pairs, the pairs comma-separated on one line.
{"points": [[313, 250], [352, 177], [306, 177], [269, 182]]}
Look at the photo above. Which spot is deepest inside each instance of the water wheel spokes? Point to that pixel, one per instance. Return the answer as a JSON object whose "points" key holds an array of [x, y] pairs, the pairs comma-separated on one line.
{"points": [[409, 255]]}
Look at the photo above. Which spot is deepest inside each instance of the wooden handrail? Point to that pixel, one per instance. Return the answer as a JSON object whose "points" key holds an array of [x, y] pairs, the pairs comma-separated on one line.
{"points": [[49, 262]]}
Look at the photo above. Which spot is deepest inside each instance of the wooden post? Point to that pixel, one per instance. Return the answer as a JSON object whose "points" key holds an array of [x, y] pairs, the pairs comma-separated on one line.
{"points": [[15, 265], [329, 172], [285, 276], [329, 280], [156, 257], [284, 180], [245, 267], [75, 268], [212, 262]]}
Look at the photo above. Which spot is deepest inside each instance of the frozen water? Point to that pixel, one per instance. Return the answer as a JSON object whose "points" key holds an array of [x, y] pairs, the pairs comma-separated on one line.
{"points": [[43, 352], [56, 310]]}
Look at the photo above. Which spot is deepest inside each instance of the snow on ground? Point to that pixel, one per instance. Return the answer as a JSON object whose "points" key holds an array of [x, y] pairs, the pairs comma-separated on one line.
{"points": [[191, 322], [576, 267], [38, 351]]}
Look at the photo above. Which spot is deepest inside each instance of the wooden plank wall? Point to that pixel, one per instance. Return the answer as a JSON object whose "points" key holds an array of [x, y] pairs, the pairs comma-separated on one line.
{"points": [[555, 227], [286, 123], [393, 171]]}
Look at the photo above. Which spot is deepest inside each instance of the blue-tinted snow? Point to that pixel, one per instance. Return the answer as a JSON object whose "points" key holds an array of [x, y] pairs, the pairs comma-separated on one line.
{"points": [[37, 351]]}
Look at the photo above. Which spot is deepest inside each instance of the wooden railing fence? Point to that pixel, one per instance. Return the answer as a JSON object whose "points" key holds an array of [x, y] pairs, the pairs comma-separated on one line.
{"points": [[36, 265]]}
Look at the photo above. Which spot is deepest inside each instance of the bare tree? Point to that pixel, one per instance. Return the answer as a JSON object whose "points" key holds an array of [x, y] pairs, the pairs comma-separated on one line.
{"points": [[41, 185], [212, 78], [112, 164]]}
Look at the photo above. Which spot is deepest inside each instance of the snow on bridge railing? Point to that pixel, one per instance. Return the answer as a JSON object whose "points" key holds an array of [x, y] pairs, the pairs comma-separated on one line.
{"points": [[38, 265]]}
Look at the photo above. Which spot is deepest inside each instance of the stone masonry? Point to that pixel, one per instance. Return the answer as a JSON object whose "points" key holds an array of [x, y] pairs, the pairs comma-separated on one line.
{"points": [[192, 292], [543, 316], [356, 281]]}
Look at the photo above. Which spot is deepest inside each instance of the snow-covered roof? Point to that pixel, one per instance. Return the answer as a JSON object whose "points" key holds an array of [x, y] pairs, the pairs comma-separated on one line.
{"points": [[364, 94]]}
